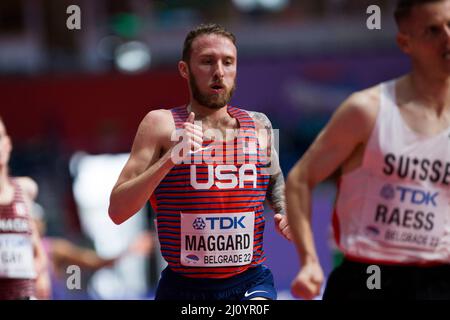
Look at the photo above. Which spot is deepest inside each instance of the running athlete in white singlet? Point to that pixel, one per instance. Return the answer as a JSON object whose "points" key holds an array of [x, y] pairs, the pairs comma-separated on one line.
{"points": [[391, 145]]}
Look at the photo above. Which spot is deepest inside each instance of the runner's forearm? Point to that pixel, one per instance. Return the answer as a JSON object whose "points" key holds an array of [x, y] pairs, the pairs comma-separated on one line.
{"points": [[298, 202], [129, 197]]}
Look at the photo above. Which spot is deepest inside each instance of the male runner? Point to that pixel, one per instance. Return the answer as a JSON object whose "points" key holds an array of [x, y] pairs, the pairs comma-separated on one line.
{"points": [[208, 189], [391, 144], [23, 263]]}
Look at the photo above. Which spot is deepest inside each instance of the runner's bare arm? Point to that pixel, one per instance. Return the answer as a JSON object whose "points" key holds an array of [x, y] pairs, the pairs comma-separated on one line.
{"points": [[145, 167], [349, 128], [30, 189], [43, 286], [66, 253], [275, 191]]}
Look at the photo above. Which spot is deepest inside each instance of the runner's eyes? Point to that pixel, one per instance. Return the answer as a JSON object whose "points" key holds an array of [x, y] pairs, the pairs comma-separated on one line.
{"points": [[228, 61], [207, 61], [433, 31]]}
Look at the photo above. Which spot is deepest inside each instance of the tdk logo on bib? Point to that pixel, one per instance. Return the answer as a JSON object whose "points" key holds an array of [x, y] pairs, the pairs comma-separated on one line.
{"points": [[388, 192], [219, 223], [410, 195], [199, 224]]}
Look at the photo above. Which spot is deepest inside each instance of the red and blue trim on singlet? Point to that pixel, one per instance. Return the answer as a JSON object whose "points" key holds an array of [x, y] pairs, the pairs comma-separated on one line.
{"points": [[175, 195], [11, 288]]}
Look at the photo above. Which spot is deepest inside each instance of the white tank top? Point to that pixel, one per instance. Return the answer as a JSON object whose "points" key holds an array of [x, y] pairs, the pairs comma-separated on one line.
{"points": [[395, 207]]}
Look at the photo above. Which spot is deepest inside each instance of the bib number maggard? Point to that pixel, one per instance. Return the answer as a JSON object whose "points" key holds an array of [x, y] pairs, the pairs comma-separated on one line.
{"points": [[16, 256], [405, 216], [217, 240]]}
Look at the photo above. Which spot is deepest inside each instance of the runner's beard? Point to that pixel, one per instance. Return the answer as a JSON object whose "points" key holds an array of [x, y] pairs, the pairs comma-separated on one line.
{"points": [[212, 101]]}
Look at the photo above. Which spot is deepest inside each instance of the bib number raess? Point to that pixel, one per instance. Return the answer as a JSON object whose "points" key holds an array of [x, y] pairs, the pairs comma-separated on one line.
{"points": [[217, 240], [404, 216], [16, 256]]}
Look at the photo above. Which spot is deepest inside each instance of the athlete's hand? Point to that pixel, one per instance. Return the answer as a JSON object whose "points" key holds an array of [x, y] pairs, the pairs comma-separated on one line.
{"points": [[282, 226], [193, 134], [308, 282], [191, 142]]}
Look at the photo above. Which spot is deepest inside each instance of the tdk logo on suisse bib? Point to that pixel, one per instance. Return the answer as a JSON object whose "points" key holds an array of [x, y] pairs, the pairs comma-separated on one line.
{"points": [[388, 192], [219, 223], [410, 195]]}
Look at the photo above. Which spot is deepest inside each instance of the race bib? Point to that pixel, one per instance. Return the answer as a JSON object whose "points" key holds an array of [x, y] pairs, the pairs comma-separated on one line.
{"points": [[16, 256], [405, 216], [217, 240]]}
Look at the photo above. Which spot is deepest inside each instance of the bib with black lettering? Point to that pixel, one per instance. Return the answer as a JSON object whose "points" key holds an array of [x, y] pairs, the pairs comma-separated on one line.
{"points": [[395, 207], [210, 217], [217, 240], [17, 268]]}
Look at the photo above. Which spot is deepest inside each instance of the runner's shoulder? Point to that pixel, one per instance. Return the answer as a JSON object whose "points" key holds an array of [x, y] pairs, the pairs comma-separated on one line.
{"points": [[261, 120], [364, 103], [29, 186], [159, 116], [158, 122]]}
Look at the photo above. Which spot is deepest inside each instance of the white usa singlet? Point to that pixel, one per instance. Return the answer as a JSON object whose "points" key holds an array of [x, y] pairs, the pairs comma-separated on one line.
{"points": [[395, 207]]}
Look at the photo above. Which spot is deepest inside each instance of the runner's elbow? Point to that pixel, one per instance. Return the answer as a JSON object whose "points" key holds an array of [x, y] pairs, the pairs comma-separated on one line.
{"points": [[297, 179], [118, 215]]}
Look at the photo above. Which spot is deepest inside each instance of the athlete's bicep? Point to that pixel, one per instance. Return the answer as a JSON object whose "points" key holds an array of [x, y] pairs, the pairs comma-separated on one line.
{"points": [[147, 146], [267, 139], [269, 156], [348, 128]]}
